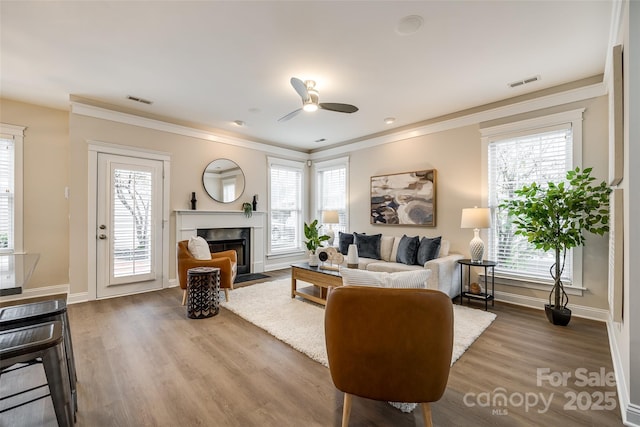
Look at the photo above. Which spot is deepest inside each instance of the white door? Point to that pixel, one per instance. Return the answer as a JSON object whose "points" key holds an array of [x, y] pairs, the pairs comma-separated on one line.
{"points": [[129, 225]]}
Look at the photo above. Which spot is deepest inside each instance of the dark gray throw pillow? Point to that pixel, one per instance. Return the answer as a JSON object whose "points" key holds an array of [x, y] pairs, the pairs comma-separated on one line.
{"points": [[344, 240], [368, 245], [429, 249], [408, 250]]}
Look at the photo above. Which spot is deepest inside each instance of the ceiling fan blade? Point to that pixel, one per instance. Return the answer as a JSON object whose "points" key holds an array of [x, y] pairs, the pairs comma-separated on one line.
{"points": [[290, 115], [340, 108], [300, 87]]}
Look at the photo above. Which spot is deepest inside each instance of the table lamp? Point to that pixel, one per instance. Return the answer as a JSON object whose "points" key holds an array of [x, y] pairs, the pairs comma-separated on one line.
{"points": [[330, 217], [476, 218]]}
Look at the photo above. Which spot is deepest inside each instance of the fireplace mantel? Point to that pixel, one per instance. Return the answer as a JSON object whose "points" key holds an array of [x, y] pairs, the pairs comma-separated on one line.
{"points": [[188, 221]]}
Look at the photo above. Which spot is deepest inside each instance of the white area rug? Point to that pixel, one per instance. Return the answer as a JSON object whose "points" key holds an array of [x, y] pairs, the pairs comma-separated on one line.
{"points": [[301, 324]]}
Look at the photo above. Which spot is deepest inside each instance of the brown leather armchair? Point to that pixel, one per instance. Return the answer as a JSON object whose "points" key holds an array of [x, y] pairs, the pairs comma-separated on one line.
{"points": [[226, 261], [389, 344]]}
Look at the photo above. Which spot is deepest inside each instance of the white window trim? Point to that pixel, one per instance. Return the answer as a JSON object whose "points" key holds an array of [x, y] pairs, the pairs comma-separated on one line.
{"points": [[324, 165], [489, 134], [292, 164], [17, 134]]}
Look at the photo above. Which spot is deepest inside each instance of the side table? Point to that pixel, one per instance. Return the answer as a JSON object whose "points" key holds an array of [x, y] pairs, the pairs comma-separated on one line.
{"points": [[483, 296], [203, 292]]}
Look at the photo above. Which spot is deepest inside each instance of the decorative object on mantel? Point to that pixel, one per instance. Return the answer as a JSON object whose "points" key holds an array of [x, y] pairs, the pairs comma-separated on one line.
{"points": [[193, 201], [352, 256], [247, 208], [255, 202], [476, 218], [553, 217], [404, 198], [314, 241]]}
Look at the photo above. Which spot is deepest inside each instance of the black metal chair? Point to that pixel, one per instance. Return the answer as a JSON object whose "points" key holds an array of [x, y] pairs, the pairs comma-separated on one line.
{"points": [[40, 343], [42, 312]]}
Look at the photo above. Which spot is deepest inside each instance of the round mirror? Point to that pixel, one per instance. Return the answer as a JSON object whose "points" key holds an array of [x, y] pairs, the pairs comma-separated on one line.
{"points": [[223, 180]]}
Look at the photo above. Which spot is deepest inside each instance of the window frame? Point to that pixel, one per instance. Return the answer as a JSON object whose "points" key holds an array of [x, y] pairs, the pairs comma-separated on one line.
{"points": [[317, 208], [534, 126], [289, 164], [16, 133]]}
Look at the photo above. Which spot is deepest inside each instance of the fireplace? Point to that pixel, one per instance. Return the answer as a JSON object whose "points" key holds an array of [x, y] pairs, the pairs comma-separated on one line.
{"points": [[223, 239]]}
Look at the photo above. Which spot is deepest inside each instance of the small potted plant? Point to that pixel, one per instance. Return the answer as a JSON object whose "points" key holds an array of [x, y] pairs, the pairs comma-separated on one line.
{"points": [[314, 241], [247, 208], [554, 217]]}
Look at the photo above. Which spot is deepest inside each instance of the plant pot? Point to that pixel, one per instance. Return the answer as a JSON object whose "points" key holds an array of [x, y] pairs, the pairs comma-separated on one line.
{"points": [[313, 260], [558, 316]]}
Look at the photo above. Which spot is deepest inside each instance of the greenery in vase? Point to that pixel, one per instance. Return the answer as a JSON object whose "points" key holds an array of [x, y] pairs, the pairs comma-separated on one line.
{"points": [[312, 234], [555, 216], [247, 208]]}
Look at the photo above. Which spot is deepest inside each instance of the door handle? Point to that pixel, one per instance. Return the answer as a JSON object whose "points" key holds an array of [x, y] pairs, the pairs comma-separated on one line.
{"points": [[102, 236]]}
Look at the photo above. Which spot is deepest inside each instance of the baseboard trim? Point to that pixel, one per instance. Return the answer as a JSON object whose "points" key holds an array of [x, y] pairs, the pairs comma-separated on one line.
{"points": [[630, 412], [538, 303], [631, 417], [37, 292], [78, 297]]}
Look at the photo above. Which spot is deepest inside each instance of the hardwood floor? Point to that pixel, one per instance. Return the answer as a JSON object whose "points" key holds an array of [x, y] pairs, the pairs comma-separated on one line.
{"points": [[142, 362]]}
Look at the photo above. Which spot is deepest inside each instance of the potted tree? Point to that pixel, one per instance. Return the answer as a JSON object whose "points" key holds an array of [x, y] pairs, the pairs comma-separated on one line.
{"points": [[554, 217], [314, 241]]}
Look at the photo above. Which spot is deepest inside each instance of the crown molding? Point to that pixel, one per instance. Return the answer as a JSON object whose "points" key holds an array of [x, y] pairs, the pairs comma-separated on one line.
{"points": [[573, 95], [131, 119]]}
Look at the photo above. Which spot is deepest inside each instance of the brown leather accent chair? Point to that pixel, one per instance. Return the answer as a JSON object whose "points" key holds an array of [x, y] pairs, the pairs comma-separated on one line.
{"points": [[389, 344], [226, 261]]}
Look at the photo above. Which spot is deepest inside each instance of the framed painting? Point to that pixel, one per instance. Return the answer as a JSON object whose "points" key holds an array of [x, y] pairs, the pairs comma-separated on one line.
{"points": [[407, 198]]}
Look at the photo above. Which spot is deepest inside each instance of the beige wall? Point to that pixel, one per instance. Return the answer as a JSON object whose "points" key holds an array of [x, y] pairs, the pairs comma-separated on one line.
{"points": [[458, 181], [46, 166]]}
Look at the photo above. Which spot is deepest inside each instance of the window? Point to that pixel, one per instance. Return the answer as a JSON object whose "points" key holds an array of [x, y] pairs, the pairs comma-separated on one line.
{"points": [[132, 204], [11, 140], [539, 150], [286, 180], [331, 191]]}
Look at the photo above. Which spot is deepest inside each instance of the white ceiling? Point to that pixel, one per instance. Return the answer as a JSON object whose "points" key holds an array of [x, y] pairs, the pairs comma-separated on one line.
{"points": [[213, 62]]}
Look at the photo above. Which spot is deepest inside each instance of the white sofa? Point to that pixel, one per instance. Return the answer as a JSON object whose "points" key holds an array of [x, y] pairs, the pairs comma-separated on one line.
{"points": [[445, 270]]}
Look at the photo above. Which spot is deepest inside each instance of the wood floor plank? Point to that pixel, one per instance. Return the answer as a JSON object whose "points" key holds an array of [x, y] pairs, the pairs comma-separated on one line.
{"points": [[142, 362]]}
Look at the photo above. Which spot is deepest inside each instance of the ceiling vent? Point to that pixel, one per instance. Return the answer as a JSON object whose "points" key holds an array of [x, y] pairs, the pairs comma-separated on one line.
{"points": [[141, 100], [524, 82]]}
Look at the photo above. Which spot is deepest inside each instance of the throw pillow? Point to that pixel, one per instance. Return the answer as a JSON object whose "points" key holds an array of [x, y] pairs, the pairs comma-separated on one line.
{"points": [[199, 248], [415, 279], [368, 245], [344, 240], [355, 277], [408, 249], [428, 249]]}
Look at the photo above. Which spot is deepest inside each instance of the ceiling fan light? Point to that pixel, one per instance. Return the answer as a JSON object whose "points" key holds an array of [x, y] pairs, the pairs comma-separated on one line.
{"points": [[310, 107]]}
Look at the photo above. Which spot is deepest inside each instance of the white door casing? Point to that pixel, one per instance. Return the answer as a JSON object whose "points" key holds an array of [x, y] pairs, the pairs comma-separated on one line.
{"points": [[128, 223]]}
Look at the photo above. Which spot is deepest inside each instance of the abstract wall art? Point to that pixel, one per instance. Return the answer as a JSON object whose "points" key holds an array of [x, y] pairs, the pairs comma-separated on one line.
{"points": [[407, 198]]}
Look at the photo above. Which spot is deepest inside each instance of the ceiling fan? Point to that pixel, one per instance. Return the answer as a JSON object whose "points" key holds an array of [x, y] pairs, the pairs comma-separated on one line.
{"points": [[309, 96]]}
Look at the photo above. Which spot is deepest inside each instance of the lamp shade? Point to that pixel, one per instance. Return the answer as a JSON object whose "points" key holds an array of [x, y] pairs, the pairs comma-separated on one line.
{"points": [[330, 217], [476, 218]]}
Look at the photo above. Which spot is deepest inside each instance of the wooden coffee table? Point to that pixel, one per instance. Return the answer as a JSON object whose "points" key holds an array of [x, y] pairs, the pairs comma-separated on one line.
{"points": [[321, 279]]}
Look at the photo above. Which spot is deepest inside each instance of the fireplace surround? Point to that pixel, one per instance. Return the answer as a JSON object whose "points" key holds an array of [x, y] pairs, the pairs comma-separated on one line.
{"points": [[192, 223]]}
